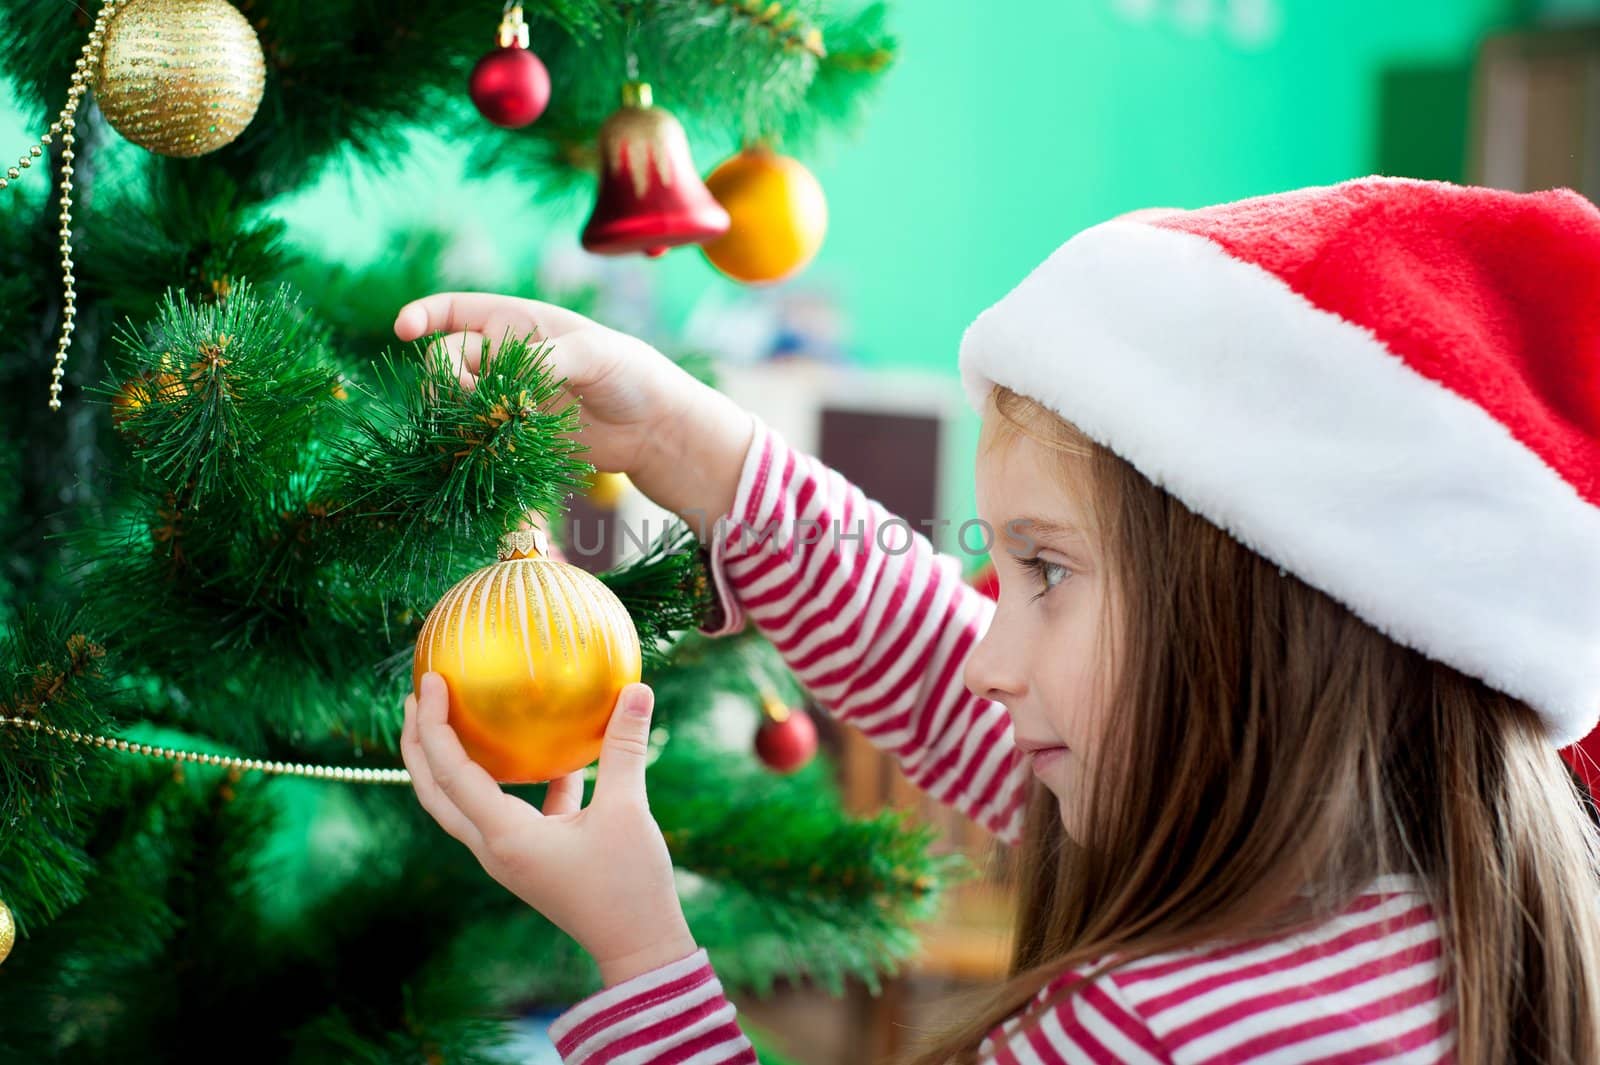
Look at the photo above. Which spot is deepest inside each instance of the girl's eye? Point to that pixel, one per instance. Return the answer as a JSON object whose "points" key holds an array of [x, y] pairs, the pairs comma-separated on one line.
{"points": [[1050, 573]]}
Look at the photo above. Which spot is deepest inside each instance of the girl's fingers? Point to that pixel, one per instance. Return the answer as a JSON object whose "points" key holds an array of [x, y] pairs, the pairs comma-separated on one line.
{"points": [[577, 360], [440, 808], [625, 751], [464, 351], [564, 795], [573, 358], [464, 782], [482, 312], [449, 312]]}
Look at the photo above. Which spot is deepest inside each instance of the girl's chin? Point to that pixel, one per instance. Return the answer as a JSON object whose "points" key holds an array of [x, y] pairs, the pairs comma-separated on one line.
{"points": [[1053, 770]]}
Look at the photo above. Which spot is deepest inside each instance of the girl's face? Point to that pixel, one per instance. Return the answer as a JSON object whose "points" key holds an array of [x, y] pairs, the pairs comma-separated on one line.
{"points": [[1043, 655]]}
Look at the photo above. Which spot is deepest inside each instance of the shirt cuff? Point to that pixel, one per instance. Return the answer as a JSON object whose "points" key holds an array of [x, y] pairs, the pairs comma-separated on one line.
{"points": [[632, 1006]]}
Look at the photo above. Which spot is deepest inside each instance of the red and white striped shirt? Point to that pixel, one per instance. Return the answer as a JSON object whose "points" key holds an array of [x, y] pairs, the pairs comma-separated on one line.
{"points": [[878, 626]]}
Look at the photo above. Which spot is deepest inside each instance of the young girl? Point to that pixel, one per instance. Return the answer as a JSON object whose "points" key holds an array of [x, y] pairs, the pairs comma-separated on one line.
{"points": [[1297, 516]]}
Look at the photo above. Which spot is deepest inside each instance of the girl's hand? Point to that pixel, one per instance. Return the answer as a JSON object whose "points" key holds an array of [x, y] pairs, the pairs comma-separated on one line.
{"points": [[681, 442], [601, 873]]}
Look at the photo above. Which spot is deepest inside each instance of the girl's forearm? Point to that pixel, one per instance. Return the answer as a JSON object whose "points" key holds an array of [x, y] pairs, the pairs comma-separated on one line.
{"points": [[694, 471]]}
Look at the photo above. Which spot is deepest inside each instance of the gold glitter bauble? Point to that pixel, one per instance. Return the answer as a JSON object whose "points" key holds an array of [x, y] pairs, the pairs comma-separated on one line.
{"points": [[8, 932], [180, 77], [535, 653]]}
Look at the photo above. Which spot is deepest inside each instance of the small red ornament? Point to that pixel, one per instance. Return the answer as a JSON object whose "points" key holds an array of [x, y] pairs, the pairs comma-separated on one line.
{"points": [[787, 738], [651, 197], [510, 85]]}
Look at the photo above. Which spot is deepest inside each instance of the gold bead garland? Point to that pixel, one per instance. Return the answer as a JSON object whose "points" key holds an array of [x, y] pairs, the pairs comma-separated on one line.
{"points": [[351, 774], [347, 774], [87, 60]]}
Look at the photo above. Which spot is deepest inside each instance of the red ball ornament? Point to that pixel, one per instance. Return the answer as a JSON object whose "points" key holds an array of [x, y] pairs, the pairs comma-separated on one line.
{"points": [[787, 738], [510, 86]]}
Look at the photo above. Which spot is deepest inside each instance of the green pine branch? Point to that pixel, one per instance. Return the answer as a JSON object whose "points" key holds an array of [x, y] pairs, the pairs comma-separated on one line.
{"points": [[779, 882], [260, 563], [222, 398], [861, 51], [429, 455], [52, 673], [665, 590], [186, 227]]}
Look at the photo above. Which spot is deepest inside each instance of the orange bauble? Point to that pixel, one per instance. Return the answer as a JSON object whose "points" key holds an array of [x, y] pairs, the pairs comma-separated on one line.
{"points": [[779, 216], [535, 653]]}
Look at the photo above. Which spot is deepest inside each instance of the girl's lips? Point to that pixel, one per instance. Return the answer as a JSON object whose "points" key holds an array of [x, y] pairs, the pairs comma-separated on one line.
{"points": [[1046, 757]]}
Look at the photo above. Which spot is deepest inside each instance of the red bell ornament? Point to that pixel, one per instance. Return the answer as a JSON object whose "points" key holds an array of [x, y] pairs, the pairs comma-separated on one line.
{"points": [[651, 197]]}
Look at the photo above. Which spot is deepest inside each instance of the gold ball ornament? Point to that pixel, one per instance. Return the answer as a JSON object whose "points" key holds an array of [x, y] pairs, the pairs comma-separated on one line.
{"points": [[8, 932], [607, 489], [778, 216], [535, 653], [180, 77], [139, 392]]}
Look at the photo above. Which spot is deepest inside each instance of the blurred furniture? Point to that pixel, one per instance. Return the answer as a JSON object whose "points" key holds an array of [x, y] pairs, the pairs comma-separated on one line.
{"points": [[1536, 111]]}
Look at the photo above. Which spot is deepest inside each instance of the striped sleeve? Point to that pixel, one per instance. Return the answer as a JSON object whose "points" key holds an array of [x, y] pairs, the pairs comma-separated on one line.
{"points": [[674, 1015], [1093, 1025], [874, 622]]}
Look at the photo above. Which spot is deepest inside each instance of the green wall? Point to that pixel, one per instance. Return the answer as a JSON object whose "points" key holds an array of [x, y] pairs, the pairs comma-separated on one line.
{"points": [[1000, 137]]}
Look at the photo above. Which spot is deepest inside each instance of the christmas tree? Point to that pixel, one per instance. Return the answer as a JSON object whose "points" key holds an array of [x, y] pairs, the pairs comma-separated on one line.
{"points": [[228, 503]]}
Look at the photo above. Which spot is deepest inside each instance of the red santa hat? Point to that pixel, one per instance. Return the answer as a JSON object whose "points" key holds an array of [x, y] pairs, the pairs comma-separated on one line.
{"points": [[1390, 388]]}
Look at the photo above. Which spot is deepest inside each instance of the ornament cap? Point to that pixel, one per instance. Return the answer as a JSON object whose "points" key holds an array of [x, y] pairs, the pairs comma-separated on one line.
{"points": [[775, 708], [524, 543], [637, 94], [513, 28]]}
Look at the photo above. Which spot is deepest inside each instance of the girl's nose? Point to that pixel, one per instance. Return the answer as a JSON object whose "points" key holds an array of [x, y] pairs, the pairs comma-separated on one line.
{"points": [[991, 672]]}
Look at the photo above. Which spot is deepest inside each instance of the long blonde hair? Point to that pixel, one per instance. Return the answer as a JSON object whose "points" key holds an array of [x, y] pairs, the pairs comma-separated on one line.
{"points": [[1280, 754]]}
